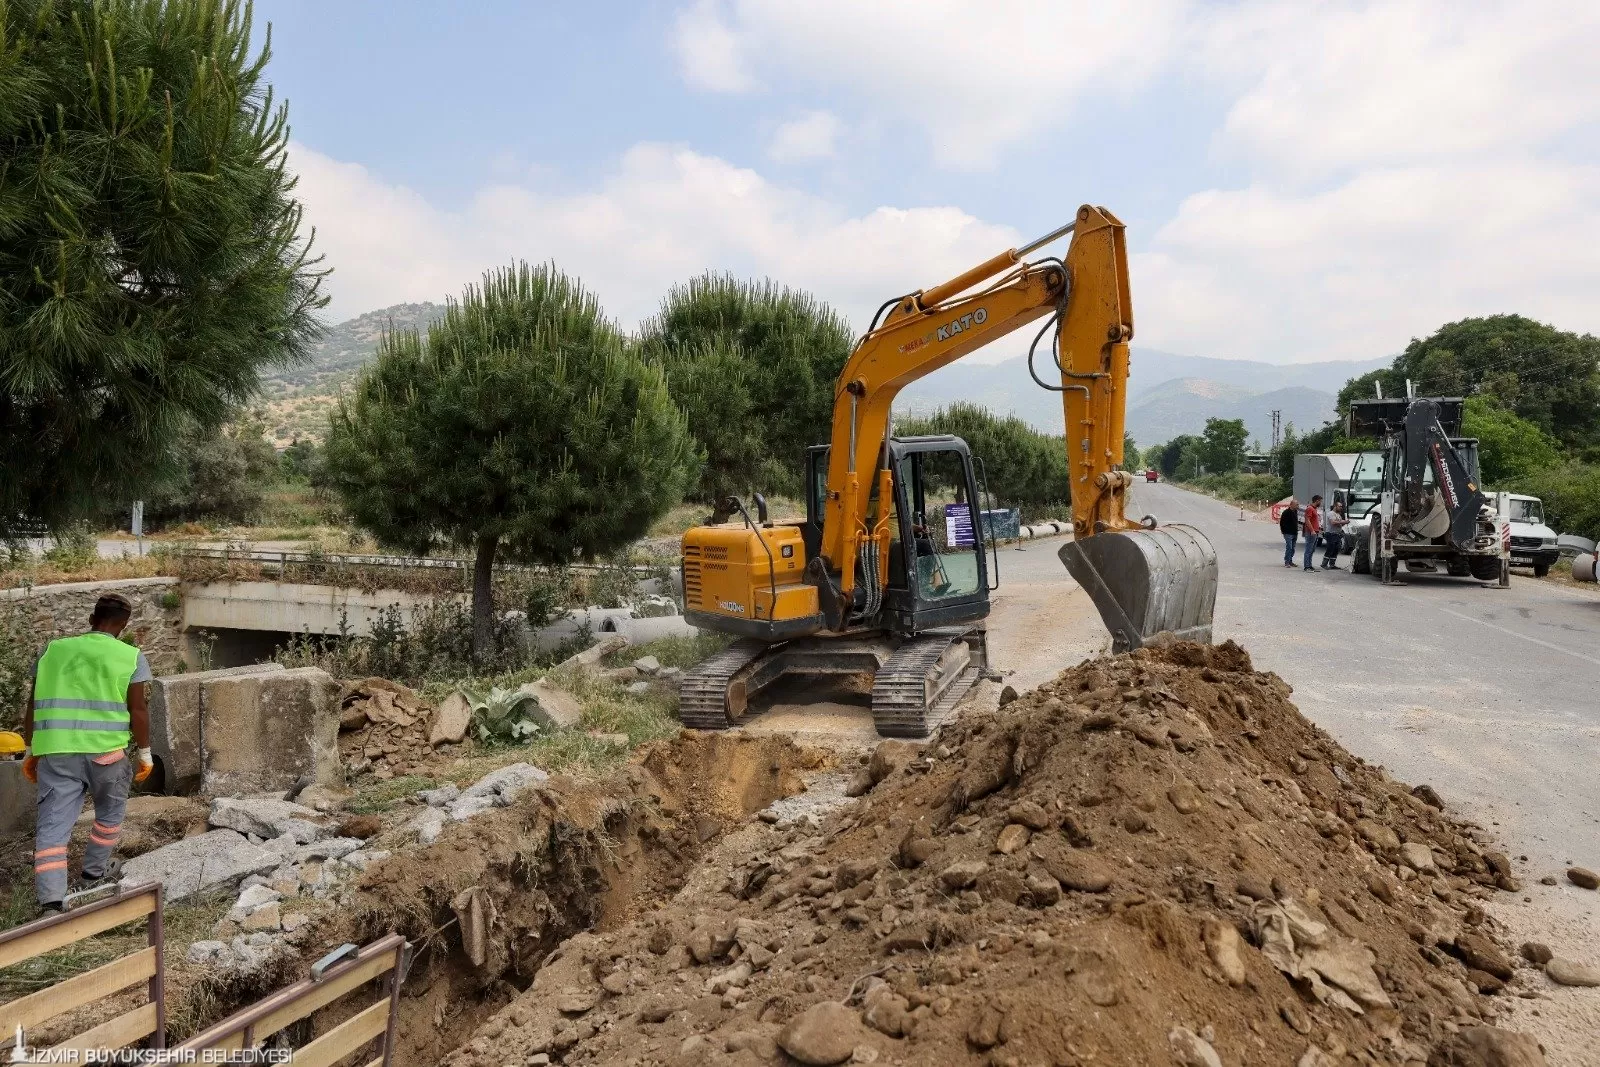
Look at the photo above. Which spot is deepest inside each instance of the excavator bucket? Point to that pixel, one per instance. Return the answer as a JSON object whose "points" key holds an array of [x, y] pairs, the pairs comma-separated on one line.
{"points": [[1146, 582]]}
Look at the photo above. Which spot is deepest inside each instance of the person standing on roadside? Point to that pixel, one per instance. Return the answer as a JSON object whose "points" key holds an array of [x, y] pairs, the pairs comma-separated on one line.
{"points": [[86, 706], [1334, 536], [1313, 523], [1289, 526]]}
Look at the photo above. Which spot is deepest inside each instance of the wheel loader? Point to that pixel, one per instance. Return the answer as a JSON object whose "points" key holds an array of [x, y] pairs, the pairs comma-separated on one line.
{"points": [[888, 577]]}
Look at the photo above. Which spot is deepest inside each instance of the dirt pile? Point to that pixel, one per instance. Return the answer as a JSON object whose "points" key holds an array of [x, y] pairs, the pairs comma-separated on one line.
{"points": [[383, 727], [1152, 859]]}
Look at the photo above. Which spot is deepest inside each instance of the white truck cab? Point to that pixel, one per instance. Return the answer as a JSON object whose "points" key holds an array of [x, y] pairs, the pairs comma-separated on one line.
{"points": [[1533, 544]]}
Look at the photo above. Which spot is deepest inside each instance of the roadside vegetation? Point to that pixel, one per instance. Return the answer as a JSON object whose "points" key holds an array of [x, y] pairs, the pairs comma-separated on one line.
{"points": [[1532, 397]]}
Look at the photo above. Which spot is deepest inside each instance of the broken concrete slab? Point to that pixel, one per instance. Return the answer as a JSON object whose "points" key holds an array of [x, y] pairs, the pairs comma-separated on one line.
{"points": [[438, 798], [261, 732], [175, 714], [210, 860], [557, 710], [267, 818], [428, 826], [506, 782], [450, 721]]}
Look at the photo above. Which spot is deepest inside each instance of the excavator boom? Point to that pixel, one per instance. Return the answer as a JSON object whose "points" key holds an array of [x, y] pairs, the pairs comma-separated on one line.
{"points": [[1142, 580]]}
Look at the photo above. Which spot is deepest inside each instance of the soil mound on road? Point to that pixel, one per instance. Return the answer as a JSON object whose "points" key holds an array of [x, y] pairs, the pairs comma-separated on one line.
{"points": [[1152, 859]]}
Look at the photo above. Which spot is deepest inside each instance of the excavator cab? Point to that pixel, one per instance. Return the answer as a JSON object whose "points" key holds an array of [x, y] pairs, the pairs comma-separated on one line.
{"points": [[939, 560]]}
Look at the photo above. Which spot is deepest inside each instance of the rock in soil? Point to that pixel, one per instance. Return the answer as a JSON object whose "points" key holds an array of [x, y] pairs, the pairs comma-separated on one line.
{"points": [[1486, 1046], [1569, 972], [1111, 936], [824, 1033], [1583, 878]]}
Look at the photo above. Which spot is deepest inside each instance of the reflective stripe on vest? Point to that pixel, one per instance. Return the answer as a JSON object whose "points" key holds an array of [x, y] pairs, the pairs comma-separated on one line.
{"points": [[80, 695]]}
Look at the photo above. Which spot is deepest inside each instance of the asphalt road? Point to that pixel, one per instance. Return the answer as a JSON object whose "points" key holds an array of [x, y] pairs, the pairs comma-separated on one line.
{"points": [[1488, 694]]}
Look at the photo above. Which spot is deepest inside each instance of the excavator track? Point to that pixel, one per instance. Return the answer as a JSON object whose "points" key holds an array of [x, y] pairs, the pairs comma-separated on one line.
{"points": [[918, 686], [703, 695]]}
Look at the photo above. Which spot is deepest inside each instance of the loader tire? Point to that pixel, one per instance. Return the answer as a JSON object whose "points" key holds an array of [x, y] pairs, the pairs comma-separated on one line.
{"points": [[1458, 568], [1361, 558], [1485, 568]]}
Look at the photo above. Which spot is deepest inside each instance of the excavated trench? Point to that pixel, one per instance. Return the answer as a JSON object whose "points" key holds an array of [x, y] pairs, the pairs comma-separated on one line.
{"points": [[487, 904]]}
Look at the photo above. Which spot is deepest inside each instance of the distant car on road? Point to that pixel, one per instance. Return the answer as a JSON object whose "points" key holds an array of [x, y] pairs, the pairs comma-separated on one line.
{"points": [[1151, 476]]}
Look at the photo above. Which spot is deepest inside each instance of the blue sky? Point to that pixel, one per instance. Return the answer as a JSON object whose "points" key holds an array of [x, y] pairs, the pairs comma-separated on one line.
{"points": [[1299, 182]]}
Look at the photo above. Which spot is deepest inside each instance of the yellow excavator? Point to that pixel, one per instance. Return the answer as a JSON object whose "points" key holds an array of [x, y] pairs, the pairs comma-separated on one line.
{"points": [[889, 576]]}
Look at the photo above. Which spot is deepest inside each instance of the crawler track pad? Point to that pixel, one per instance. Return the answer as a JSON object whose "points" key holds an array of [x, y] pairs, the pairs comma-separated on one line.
{"points": [[1146, 582]]}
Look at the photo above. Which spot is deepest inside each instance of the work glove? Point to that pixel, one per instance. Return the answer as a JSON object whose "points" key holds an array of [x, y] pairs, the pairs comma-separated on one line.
{"points": [[143, 765], [30, 767]]}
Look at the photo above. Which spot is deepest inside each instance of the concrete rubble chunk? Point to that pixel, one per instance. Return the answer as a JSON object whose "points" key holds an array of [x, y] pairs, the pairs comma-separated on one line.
{"points": [[428, 826], [438, 798], [647, 665], [255, 896], [450, 720], [556, 708], [262, 732], [266, 818], [465, 808], [175, 703], [210, 953], [206, 861], [506, 783], [331, 848]]}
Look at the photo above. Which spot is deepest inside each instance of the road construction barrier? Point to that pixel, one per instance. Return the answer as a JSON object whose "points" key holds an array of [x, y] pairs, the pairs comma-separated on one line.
{"points": [[342, 971], [149, 1020]]}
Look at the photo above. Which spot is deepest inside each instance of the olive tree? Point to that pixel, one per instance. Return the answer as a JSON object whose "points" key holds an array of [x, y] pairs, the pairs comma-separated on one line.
{"points": [[521, 426]]}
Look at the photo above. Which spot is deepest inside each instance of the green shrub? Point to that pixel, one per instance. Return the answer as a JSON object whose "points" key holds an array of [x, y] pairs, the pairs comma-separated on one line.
{"points": [[75, 549], [1243, 488], [17, 651], [1571, 495]]}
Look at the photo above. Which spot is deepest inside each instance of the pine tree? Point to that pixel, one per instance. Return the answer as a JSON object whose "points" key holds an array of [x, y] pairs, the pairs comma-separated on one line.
{"points": [[753, 365], [150, 257], [522, 426]]}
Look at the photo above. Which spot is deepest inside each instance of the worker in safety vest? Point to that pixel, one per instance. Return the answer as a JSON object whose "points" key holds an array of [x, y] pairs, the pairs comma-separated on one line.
{"points": [[86, 704]]}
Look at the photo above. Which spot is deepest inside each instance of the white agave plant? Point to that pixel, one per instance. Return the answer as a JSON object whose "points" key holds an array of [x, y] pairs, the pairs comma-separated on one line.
{"points": [[503, 716]]}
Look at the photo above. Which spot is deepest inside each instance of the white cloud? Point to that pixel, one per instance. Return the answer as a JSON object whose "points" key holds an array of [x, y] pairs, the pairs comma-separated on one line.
{"points": [[807, 138], [1331, 86], [1358, 270], [709, 54], [975, 77], [664, 214]]}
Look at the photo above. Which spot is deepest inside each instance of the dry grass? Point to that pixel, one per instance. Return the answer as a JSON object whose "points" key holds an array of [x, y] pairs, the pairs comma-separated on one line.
{"points": [[40, 572]]}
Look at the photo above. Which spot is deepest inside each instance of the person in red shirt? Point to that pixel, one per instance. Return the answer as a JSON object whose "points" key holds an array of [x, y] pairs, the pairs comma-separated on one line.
{"points": [[1313, 529]]}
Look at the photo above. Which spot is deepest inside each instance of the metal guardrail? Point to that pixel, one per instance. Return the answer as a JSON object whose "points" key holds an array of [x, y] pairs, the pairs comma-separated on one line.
{"points": [[343, 971], [330, 559], [148, 965]]}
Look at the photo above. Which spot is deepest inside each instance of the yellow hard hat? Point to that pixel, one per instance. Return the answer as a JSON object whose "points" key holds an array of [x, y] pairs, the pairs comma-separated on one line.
{"points": [[10, 743]]}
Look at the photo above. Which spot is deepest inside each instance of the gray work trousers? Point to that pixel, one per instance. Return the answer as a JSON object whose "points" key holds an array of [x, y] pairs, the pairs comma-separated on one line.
{"points": [[63, 781]]}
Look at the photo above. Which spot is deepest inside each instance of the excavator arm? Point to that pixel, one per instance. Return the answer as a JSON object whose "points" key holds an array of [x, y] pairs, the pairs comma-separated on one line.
{"points": [[1088, 295], [1143, 583]]}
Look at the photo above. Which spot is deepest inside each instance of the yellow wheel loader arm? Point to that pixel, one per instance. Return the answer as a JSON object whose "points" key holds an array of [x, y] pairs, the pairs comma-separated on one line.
{"points": [[1144, 579]]}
